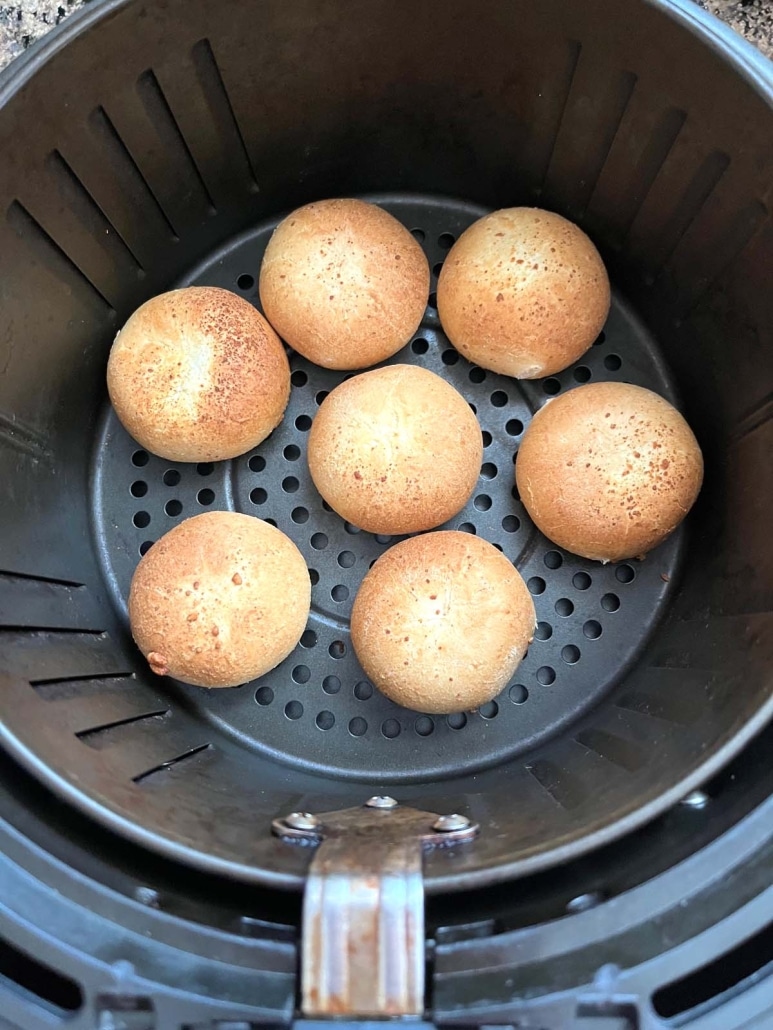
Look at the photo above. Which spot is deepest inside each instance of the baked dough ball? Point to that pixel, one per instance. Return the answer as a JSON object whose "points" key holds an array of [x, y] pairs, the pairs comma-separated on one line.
{"points": [[441, 622], [344, 283], [219, 600], [523, 292], [608, 470], [395, 450], [198, 375]]}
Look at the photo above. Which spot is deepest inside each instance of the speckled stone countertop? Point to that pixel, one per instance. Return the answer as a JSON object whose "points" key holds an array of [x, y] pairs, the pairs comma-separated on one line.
{"points": [[23, 22], [27, 20]]}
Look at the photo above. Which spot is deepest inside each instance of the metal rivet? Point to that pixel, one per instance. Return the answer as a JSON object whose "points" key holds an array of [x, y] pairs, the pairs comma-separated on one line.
{"points": [[698, 799], [584, 902], [381, 801], [302, 821], [448, 823], [147, 896]]}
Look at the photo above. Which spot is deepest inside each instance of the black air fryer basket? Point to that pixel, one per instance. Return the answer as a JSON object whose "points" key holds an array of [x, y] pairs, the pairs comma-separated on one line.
{"points": [[149, 145]]}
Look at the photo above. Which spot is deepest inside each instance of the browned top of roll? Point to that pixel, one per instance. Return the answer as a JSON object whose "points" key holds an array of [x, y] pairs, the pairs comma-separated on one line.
{"points": [[395, 450], [523, 292], [198, 375], [608, 470], [441, 622], [219, 600], [344, 283]]}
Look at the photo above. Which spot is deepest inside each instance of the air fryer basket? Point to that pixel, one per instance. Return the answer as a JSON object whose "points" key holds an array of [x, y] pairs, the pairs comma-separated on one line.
{"points": [[153, 145]]}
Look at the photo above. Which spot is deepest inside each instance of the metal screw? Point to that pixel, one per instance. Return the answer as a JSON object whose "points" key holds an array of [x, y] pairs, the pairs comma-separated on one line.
{"points": [[584, 902], [698, 799], [147, 896], [448, 823], [302, 821], [381, 801]]}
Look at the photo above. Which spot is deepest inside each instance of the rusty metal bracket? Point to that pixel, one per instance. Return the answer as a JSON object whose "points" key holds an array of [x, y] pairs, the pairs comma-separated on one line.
{"points": [[363, 909]]}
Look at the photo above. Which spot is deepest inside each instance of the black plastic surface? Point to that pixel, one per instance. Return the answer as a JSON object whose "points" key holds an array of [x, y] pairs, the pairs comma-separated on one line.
{"points": [[124, 174], [136, 937]]}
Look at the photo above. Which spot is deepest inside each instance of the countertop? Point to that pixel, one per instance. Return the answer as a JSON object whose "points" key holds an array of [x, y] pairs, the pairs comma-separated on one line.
{"points": [[23, 22]]}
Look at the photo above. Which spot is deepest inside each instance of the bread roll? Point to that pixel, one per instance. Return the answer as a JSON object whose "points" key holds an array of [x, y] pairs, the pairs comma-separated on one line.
{"points": [[198, 375], [219, 600], [608, 470], [344, 283], [523, 292], [395, 450], [441, 622]]}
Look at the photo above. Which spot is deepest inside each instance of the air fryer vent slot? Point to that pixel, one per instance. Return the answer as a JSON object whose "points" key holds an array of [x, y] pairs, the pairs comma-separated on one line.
{"points": [[132, 183], [46, 250], [235, 155], [746, 964], [50, 987], [103, 736], [169, 763], [36, 603], [191, 184], [18, 435], [82, 205]]}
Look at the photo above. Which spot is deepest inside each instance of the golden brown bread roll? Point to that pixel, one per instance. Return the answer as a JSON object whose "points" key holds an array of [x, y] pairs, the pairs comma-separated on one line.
{"points": [[523, 292], [395, 450], [219, 600], [198, 375], [608, 470], [441, 622], [344, 283]]}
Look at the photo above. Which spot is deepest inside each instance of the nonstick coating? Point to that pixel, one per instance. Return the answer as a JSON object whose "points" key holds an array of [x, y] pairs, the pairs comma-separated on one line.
{"points": [[317, 709]]}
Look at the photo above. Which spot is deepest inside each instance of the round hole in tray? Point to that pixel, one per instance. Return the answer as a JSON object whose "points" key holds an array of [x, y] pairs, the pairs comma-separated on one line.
{"points": [[553, 560], [424, 726], [518, 694], [363, 691], [325, 720], [331, 684]]}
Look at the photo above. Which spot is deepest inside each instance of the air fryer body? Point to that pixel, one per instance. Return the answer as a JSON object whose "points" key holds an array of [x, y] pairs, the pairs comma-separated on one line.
{"points": [[152, 145]]}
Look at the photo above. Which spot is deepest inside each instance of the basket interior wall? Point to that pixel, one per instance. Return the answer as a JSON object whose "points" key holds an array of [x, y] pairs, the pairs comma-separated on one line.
{"points": [[161, 133]]}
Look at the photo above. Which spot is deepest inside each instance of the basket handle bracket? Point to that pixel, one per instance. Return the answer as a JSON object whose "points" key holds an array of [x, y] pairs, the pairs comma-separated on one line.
{"points": [[363, 909]]}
